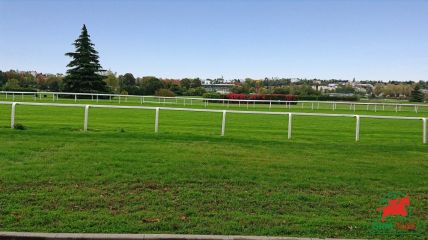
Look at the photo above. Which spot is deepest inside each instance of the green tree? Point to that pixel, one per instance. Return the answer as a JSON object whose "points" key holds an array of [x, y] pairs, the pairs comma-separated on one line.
{"points": [[3, 78], [186, 83], [417, 95], [112, 81], [150, 85], [12, 85], [281, 90], [83, 73], [127, 82], [53, 83], [195, 83]]}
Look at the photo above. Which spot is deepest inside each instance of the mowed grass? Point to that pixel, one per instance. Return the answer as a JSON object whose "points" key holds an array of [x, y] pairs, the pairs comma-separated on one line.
{"points": [[122, 177]]}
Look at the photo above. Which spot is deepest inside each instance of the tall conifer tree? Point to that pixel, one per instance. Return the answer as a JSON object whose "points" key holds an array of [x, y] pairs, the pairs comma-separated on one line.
{"points": [[417, 95], [84, 70]]}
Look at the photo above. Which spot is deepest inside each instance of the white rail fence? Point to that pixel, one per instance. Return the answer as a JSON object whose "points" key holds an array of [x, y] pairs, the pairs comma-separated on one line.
{"points": [[224, 112], [225, 102]]}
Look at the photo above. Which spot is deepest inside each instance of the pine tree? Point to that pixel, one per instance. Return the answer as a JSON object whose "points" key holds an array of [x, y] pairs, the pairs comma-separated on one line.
{"points": [[417, 95], [84, 70]]}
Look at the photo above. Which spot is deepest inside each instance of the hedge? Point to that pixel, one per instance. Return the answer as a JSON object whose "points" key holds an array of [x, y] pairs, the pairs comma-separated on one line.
{"points": [[282, 97], [330, 98]]}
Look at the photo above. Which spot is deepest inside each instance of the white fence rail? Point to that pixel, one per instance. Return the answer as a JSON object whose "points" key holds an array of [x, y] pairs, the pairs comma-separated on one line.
{"points": [[226, 102], [224, 112]]}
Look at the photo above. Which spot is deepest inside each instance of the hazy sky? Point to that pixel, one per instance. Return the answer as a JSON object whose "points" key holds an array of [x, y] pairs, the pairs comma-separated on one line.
{"points": [[374, 39]]}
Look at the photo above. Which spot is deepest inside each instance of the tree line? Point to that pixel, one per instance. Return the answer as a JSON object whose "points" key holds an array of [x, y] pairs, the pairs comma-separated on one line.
{"points": [[13, 80]]}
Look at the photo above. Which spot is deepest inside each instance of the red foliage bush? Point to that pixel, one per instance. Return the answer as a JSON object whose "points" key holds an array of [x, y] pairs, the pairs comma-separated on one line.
{"points": [[237, 96]]}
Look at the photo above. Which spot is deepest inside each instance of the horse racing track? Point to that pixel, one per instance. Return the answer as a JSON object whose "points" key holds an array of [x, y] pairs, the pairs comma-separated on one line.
{"points": [[122, 177]]}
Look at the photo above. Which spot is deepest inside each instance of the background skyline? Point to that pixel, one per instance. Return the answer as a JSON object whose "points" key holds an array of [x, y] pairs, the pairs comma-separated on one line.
{"points": [[373, 40]]}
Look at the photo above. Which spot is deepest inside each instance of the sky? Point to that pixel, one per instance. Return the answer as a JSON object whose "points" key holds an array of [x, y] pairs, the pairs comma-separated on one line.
{"points": [[325, 39]]}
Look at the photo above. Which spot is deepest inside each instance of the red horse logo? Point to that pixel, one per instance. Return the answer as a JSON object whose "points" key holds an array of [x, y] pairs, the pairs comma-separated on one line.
{"points": [[395, 207]]}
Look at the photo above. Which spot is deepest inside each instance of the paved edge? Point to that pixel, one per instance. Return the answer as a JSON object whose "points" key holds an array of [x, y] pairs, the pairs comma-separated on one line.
{"points": [[90, 236]]}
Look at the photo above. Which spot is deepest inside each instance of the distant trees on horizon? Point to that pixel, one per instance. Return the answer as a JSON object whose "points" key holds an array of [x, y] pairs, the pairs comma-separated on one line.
{"points": [[148, 85]]}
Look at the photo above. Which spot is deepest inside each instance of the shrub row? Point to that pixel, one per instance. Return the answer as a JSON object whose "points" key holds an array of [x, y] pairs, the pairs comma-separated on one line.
{"points": [[282, 97], [213, 95], [240, 96]]}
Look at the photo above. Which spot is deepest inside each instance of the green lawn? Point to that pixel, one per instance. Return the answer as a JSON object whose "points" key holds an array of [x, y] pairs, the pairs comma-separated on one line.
{"points": [[122, 177]]}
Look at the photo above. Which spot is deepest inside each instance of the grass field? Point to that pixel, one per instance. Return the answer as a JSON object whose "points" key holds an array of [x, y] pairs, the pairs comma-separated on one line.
{"points": [[122, 177]]}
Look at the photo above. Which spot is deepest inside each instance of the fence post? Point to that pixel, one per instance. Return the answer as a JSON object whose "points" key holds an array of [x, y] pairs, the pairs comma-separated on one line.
{"points": [[75, 97], [289, 125], [85, 122], [12, 116], [357, 128], [157, 120], [223, 123], [424, 130]]}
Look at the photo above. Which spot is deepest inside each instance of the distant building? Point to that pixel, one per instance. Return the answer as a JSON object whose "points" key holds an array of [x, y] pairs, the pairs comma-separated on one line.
{"points": [[341, 94], [325, 88], [219, 87]]}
